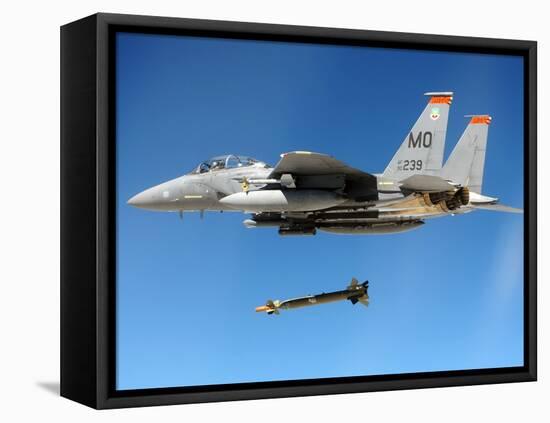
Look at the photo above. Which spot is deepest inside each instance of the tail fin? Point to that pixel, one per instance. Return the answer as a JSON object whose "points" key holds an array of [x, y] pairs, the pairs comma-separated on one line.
{"points": [[353, 284], [465, 164], [422, 149]]}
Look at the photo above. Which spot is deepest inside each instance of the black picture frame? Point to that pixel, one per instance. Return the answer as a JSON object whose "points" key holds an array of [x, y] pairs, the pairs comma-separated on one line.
{"points": [[88, 217]]}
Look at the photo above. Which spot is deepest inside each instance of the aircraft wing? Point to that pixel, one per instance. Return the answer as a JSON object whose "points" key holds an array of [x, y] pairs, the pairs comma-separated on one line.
{"points": [[305, 163], [497, 207]]}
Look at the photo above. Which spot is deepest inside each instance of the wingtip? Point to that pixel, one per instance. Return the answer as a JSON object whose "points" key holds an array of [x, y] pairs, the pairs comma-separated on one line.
{"points": [[296, 152], [303, 152], [439, 93]]}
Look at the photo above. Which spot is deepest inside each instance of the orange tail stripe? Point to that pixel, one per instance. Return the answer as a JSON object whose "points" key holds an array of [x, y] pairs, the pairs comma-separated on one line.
{"points": [[441, 100], [484, 119]]}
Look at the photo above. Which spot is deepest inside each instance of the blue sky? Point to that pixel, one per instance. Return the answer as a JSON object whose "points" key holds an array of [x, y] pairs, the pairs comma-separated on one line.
{"points": [[446, 296]]}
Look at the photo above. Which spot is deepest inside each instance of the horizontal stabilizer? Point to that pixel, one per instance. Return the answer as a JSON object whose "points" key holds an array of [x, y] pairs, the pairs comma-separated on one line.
{"points": [[497, 207], [426, 183]]}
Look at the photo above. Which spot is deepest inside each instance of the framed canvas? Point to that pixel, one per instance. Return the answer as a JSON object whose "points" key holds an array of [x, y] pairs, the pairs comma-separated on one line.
{"points": [[258, 211]]}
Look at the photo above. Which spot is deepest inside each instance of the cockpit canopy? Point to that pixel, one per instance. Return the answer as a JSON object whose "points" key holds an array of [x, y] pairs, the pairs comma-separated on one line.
{"points": [[228, 161]]}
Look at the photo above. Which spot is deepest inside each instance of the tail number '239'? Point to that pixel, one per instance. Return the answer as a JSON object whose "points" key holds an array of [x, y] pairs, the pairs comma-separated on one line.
{"points": [[412, 165]]}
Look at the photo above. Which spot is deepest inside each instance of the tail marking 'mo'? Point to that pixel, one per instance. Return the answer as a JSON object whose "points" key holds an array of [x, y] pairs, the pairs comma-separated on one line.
{"points": [[421, 152]]}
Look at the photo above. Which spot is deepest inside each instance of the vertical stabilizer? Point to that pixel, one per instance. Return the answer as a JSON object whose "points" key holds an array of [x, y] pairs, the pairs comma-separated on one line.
{"points": [[422, 149], [467, 161]]}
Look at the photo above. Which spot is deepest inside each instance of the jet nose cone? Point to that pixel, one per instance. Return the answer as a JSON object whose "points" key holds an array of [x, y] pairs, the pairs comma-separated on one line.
{"points": [[138, 200], [157, 198]]}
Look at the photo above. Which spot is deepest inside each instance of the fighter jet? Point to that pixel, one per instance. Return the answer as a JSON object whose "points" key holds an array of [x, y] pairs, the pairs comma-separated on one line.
{"points": [[308, 191], [354, 293]]}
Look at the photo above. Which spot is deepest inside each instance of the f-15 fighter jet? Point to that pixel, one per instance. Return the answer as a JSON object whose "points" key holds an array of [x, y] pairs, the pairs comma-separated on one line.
{"points": [[307, 191]]}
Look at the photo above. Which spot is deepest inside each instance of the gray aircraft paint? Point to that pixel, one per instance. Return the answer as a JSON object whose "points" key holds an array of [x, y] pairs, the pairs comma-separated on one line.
{"points": [[422, 149], [283, 200], [466, 163], [307, 191]]}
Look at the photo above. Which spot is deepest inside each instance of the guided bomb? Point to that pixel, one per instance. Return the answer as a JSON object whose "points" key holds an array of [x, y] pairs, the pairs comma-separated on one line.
{"points": [[355, 293]]}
